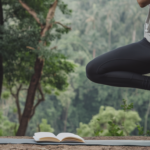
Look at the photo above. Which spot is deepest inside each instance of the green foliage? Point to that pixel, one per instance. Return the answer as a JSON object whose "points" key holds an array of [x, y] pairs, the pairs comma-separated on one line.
{"points": [[24, 32], [103, 26], [5, 95], [140, 129], [27, 33], [7, 128], [17, 63], [55, 72], [114, 129], [65, 97], [1, 132], [125, 106], [44, 127], [102, 123]]}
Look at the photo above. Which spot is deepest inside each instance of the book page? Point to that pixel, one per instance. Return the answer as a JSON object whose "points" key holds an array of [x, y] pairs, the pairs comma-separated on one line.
{"points": [[63, 135], [39, 135], [35, 138]]}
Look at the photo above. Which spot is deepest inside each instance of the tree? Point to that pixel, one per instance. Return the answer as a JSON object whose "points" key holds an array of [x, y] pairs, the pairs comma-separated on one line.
{"points": [[37, 68], [41, 55]]}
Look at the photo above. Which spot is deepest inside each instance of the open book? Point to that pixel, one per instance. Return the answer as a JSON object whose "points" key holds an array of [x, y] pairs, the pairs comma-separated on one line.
{"points": [[61, 137]]}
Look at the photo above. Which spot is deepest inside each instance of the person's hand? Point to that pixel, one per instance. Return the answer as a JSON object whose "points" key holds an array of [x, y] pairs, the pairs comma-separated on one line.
{"points": [[143, 3]]}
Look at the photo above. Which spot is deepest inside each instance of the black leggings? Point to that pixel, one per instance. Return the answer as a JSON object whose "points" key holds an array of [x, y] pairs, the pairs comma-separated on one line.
{"points": [[122, 67]]}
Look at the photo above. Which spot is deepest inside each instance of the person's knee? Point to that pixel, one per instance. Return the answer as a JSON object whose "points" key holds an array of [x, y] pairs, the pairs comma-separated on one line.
{"points": [[93, 70], [89, 70]]}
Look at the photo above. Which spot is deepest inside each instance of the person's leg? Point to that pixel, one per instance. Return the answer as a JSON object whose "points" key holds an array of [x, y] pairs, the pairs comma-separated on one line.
{"points": [[122, 67]]}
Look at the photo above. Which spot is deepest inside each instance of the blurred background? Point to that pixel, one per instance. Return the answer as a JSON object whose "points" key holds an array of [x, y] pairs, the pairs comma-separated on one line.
{"points": [[65, 99]]}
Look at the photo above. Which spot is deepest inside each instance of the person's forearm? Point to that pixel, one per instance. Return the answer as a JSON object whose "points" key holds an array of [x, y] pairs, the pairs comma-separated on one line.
{"points": [[143, 3]]}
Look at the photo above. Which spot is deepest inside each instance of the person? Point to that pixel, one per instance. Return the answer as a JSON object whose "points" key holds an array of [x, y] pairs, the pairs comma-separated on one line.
{"points": [[124, 66]]}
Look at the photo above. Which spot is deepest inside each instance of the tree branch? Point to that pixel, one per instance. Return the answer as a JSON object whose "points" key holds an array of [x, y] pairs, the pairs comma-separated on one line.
{"points": [[63, 25], [34, 49], [16, 96], [30, 47], [32, 12], [49, 17], [53, 47], [39, 100], [12, 93], [51, 13], [19, 89]]}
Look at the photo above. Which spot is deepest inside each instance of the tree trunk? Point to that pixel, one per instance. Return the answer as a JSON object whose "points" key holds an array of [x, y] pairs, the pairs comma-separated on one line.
{"points": [[1, 59], [30, 97], [29, 106]]}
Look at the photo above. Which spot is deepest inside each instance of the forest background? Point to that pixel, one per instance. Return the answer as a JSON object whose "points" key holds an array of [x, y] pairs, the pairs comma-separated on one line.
{"points": [[97, 26]]}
